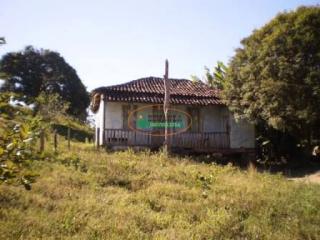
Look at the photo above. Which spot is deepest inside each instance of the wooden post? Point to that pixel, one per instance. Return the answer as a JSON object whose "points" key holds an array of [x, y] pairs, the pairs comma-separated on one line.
{"points": [[41, 140], [98, 138], [166, 106], [55, 140], [69, 138]]}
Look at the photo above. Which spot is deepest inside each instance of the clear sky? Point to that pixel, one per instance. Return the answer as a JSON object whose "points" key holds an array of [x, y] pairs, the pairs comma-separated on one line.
{"points": [[111, 42]]}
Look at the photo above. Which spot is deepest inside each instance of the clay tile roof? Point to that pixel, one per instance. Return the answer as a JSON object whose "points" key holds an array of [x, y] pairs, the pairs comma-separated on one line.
{"points": [[151, 90]]}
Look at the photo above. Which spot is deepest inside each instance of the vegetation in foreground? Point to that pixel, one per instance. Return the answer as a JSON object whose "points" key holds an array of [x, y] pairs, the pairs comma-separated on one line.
{"points": [[127, 195]]}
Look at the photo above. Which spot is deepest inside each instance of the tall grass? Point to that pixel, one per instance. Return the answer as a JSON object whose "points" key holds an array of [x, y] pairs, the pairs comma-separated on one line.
{"points": [[127, 195]]}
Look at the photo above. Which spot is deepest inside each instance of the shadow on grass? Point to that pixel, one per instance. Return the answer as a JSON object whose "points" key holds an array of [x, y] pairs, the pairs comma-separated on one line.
{"points": [[297, 168]]}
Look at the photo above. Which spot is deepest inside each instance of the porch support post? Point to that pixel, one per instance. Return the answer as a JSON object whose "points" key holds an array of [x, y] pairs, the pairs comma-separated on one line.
{"points": [[102, 124]]}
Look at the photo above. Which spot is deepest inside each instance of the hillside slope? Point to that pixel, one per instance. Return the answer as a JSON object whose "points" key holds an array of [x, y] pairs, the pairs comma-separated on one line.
{"points": [[125, 195]]}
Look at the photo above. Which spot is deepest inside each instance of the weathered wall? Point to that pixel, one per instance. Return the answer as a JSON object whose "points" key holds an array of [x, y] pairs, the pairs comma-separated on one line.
{"points": [[113, 115], [242, 133], [214, 119]]}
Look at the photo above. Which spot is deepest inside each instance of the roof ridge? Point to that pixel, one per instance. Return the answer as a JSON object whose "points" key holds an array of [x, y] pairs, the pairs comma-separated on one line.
{"points": [[150, 78]]}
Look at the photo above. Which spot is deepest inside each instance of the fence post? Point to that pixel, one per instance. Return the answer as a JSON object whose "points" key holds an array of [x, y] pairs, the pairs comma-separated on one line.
{"points": [[98, 138], [68, 137], [55, 140], [42, 140]]}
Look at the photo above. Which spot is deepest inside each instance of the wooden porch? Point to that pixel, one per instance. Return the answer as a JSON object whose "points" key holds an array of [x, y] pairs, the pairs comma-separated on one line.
{"points": [[186, 140]]}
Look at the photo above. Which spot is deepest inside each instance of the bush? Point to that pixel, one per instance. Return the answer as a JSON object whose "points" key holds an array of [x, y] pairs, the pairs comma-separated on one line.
{"points": [[17, 152]]}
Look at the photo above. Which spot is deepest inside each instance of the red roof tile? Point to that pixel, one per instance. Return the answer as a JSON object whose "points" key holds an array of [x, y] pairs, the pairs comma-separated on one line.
{"points": [[151, 90]]}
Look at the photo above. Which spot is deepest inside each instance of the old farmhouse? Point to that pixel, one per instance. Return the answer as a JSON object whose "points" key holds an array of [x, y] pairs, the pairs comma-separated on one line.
{"points": [[130, 115]]}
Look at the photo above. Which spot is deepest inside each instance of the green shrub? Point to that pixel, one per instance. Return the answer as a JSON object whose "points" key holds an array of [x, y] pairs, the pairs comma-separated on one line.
{"points": [[17, 152]]}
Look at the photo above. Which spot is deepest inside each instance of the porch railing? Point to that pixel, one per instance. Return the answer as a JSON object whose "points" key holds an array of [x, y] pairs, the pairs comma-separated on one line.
{"points": [[122, 137], [208, 140]]}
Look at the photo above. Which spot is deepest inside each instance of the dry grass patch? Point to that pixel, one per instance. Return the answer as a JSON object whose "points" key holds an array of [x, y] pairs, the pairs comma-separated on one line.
{"points": [[126, 195]]}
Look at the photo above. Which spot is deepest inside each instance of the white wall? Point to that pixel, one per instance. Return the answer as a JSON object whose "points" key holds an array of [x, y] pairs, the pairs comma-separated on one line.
{"points": [[99, 122], [113, 115]]}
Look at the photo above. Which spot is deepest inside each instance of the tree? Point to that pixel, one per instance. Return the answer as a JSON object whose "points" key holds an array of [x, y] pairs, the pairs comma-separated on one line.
{"points": [[274, 78], [18, 137], [31, 71], [216, 79], [50, 107]]}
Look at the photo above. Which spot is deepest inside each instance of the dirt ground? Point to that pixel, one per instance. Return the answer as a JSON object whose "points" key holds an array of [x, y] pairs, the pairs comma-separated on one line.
{"points": [[312, 178]]}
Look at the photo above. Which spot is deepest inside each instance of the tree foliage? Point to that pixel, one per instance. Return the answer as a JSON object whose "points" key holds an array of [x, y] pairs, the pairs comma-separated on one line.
{"points": [[50, 107], [20, 132], [275, 76], [216, 78], [17, 152], [31, 72], [17, 144]]}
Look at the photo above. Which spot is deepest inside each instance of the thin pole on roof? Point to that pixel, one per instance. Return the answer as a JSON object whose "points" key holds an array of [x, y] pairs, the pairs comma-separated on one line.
{"points": [[166, 104]]}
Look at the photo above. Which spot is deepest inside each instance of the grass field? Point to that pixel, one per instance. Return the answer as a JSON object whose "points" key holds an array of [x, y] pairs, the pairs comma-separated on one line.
{"points": [[128, 195]]}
